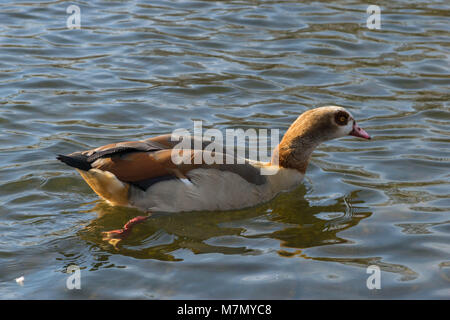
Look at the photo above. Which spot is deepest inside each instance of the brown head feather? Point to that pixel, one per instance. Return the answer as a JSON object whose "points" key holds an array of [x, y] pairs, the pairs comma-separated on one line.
{"points": [[309, 130]]}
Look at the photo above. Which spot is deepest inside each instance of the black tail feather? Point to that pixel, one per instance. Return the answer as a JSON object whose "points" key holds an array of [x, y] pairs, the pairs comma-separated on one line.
{"points": [[75, 160]]}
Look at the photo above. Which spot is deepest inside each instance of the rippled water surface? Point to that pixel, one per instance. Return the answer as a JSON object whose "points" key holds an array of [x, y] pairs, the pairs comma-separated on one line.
{"points": [[142, 68]]}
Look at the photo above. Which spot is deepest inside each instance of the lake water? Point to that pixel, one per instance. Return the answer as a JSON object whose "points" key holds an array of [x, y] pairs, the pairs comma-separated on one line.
{"points": [[142, 68]]}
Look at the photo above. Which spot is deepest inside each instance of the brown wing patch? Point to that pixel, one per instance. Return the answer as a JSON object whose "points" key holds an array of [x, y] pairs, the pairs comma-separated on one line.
{"points": [[138, 166], [121, 148], [148, 161]]}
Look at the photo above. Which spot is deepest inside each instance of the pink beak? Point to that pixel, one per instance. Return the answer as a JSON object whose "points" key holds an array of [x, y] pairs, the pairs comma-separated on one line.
{"points": [[359, 132]]}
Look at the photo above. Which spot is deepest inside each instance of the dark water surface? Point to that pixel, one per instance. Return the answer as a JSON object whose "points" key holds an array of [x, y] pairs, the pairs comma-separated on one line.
{"points": [[142, 68]]}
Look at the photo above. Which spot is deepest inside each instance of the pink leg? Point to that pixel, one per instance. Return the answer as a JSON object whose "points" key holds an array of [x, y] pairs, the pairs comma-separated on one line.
{"points": [[115, 236]]}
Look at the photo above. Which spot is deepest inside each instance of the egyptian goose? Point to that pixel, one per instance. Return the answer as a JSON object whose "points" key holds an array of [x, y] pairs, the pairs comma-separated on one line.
{"points": [[141, 174]]}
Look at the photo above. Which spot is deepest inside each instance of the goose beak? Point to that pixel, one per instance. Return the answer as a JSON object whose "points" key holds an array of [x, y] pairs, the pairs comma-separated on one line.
{"points": [[359, 132]]}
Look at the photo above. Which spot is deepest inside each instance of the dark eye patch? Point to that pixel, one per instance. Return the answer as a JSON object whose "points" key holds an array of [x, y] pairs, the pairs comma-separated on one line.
{"points": [[341, 118]]}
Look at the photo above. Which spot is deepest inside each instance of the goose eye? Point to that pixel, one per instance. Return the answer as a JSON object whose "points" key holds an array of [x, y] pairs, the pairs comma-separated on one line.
{"points": [[341, 118]]}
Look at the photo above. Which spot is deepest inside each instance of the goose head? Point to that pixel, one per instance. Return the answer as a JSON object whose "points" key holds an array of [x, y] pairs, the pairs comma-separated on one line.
{"points": [[311, 129]]}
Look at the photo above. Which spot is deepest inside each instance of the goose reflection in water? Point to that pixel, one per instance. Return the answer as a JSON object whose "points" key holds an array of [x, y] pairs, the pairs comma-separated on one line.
{"points": [[290, 219]]}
